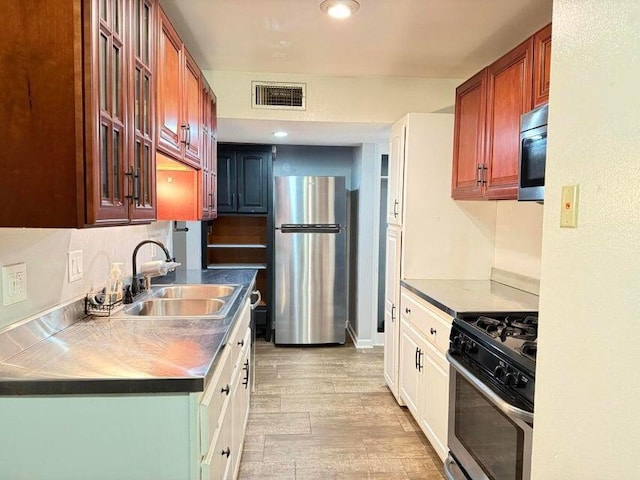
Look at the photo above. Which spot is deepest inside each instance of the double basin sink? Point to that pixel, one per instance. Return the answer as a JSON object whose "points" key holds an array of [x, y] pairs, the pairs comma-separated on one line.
{"points": [[212, 301]]}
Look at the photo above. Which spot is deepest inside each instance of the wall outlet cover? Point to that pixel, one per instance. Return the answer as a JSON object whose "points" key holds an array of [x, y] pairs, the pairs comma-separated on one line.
{"points": [[14, 283], [75, 265]]}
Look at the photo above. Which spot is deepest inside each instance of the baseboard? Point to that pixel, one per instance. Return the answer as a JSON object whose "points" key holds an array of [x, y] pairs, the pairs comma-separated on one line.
{"points": [[357, 342]]}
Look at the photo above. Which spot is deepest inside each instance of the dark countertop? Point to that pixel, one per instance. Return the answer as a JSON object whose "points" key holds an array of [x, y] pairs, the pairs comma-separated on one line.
{"points": [[457, 297], [128, 355]]}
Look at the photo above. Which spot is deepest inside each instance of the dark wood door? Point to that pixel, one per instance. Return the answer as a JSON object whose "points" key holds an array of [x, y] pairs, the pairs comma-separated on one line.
{"points": [[510, 81], [213, 156], [252, 171], [192, 104], [142, 165], [541, 66], [171, 131], [226, 176], [469, 134]]}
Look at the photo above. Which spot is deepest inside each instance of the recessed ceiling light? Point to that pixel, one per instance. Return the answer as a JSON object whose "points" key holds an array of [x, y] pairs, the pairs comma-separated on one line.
{"points": [[340, 8], [280, 134]]}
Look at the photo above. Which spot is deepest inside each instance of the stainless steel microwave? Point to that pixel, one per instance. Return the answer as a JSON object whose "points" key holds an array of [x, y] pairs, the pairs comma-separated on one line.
{"points": [[533, 154]]}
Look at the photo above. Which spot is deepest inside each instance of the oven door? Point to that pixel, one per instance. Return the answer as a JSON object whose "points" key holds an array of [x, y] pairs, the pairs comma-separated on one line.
{"points": [[489, 438]]}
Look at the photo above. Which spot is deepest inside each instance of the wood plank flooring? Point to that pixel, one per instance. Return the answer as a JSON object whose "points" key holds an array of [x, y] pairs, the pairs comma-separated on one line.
{"points": [[326, 413]]}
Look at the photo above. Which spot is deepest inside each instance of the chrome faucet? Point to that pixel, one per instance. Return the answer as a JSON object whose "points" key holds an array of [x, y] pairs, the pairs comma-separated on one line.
{"points": [[135, 289]]}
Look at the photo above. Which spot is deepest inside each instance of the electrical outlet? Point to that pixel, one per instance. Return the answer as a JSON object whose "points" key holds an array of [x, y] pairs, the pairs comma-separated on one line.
{"points": [[14, 283], [75, 265]]}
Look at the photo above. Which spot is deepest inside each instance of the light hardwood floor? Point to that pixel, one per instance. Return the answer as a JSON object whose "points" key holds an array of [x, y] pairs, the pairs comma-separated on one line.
{"points": [[326, 413]]}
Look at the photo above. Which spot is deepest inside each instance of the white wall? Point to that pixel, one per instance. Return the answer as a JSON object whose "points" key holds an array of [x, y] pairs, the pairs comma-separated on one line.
{"points": [[45, 253], [587, 384], [336, 99], [518, 243]]}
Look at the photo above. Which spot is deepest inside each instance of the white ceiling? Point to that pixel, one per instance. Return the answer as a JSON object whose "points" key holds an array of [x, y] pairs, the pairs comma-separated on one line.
{"points": [[409, 38]]}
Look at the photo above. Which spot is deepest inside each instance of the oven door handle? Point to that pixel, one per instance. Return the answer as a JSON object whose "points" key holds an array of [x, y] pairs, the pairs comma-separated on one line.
{"points": [[505, 407]]}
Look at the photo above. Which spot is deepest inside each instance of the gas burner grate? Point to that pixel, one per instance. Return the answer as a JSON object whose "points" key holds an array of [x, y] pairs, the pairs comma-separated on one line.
{"points": [[520, 328], [530, 349]]}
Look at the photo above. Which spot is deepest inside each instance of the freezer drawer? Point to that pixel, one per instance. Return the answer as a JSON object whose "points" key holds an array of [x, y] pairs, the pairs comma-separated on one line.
{"points": [[311, 287]]}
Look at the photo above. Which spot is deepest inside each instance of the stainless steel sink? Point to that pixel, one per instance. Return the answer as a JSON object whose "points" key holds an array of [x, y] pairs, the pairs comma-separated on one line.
{"points": [[195, 291], [179, 307]]}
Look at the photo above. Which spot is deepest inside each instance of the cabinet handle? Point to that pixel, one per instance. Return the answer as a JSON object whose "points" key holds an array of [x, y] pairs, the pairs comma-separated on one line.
{"points": [[416, 358], [211, 201], [433, 331], [393, 313], [420, 354], [233, 201], [189, 135], [483, 174], [407, 310], [134, 178], [226, 452], [395, 208], [184, 134], [241, 343], [478, 175], [245, 381], [258, 300], [225, 390], [137, 178]]}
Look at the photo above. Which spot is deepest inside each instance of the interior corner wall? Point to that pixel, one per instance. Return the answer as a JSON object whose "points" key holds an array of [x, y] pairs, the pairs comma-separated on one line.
{"points": [[335, 99], [45, 253], [587, 386], [518, 240]]}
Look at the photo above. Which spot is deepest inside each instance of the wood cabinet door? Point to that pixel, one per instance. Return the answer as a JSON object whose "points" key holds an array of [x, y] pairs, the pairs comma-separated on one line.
{"points": [[508, 96], [171, 131], [391, 308], [204, 183], [396, 174], [213, 158], [192, 104], [469, 138], [226, 175], [434, 409], [252, 186], [142, 167], [110, 57], [541, 66]]}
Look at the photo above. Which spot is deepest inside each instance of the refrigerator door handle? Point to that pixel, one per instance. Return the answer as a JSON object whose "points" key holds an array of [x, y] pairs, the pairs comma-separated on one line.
{"points": [[310, 228]]}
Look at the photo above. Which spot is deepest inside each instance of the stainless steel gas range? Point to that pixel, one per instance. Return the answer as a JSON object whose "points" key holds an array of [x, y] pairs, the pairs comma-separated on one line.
{"points": [[491, 393]]}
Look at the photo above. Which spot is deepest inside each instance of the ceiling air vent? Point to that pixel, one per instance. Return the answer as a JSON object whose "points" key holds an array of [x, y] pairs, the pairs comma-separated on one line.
{"points": [[275, 95]]}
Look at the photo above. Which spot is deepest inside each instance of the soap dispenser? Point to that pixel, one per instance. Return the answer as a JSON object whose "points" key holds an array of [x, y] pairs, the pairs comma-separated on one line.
{"points": [[114, 283]]}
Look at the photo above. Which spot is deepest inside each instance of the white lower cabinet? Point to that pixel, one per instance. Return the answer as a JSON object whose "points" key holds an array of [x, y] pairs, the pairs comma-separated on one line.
{"points": [[391, 303], [424, 369]]}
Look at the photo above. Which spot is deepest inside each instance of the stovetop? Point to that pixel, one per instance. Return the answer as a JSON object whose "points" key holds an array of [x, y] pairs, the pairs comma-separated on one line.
{"points": [[501, 349]]}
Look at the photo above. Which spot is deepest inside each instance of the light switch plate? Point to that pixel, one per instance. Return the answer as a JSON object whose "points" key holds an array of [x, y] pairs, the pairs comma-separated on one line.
{"points": [[75, 265], [14, 283], [569, 207]]}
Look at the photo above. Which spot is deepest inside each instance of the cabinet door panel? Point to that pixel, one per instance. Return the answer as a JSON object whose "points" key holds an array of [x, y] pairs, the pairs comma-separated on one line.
{"points": [[391, 309], [409, 380], [396, 175], [469, 133], [509, 96], [226, 181], [192, 110], [252, 182], [170, 78], [435, 401], [541, 66]]}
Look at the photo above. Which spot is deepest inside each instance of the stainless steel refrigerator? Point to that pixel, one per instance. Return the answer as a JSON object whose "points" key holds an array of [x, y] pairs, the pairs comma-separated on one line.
{"points": [[310, 259]]}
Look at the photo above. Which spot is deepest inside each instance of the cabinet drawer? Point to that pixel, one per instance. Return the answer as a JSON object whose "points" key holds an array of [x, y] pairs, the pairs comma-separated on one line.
{"points": [[217, 464], [236, 339], [431, 322], [215, 399]]}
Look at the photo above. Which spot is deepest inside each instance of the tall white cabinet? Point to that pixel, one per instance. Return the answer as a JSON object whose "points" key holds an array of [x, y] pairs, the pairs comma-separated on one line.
{"points": [[429, 236]]}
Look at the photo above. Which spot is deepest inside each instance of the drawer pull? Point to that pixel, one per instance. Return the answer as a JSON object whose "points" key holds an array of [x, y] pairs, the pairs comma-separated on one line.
{"points": [[241, 343], [245, 381], [407, 310], [225, 390], [433, 331], [226, 452]]}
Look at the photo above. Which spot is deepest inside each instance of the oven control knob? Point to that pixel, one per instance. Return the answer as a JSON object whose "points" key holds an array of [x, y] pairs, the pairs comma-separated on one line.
{"points": [[513, 380], [499, 372], [471, 347], [458, 342]]}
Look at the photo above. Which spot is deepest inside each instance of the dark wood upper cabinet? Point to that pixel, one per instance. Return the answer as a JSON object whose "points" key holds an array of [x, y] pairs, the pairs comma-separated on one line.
{"points": [[179, 98], [469, 137], [509, 83], [541, 66], [487, 120], [67, 73], [243, 179], [208, 209]]}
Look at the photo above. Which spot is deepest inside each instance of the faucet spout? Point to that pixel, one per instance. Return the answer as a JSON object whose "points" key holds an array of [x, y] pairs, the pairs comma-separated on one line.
{"points": [[134, 284]]}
